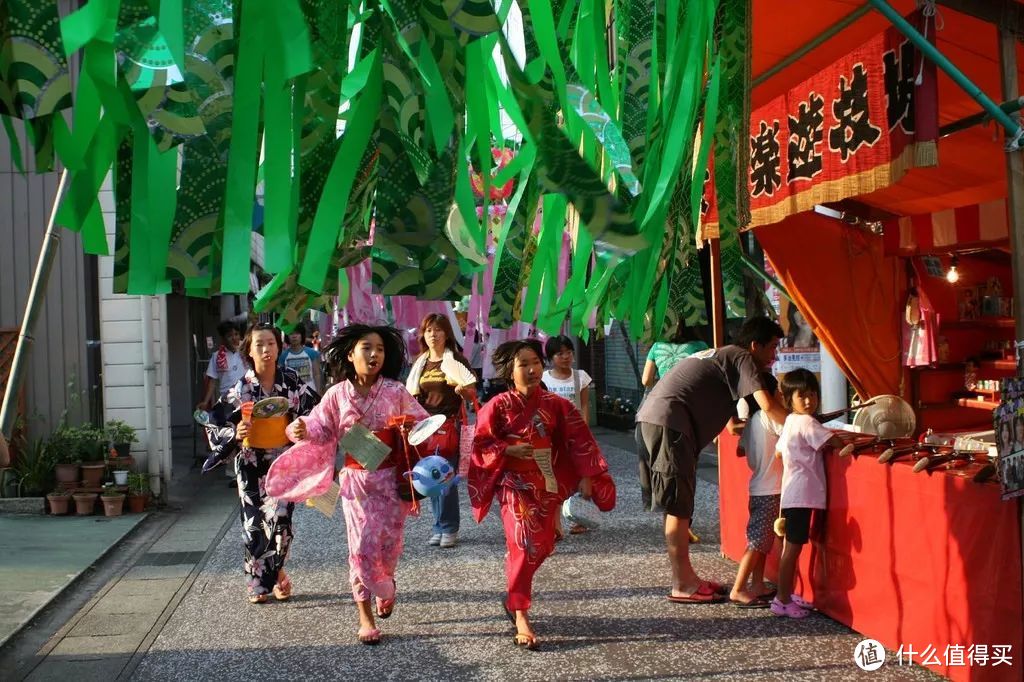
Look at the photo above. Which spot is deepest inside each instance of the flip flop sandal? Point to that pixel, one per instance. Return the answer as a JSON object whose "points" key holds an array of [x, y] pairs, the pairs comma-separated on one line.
{"points": [[385, 607], [756, 603], [258, 599], [369, 636], [704, 595], [718, 588], [283, 590], [528, 642]]}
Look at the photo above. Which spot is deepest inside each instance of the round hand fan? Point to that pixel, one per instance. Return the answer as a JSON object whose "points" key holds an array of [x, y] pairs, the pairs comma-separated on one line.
{"points": [[890, 416], [425, 429]]}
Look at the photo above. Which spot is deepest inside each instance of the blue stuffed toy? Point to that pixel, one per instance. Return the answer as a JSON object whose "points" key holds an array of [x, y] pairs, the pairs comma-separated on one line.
{"points": [[432, 476]]}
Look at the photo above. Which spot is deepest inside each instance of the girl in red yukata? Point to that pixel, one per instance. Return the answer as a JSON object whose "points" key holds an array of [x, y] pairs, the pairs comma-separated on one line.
{"points": [[532, 450]]}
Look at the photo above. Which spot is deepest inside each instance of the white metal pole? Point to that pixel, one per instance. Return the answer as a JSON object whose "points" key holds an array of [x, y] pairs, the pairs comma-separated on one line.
{"points": [[149, 390]]}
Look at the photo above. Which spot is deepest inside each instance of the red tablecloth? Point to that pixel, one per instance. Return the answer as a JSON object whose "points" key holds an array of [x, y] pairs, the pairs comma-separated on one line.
{"points": [[907, 559]]}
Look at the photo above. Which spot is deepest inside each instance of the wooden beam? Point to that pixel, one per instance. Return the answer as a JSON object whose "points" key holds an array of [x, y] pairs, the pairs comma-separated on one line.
{"points": [[717, 295], [1005, 14]]}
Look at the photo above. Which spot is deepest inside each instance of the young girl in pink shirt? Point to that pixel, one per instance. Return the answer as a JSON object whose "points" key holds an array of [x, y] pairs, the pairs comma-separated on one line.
{"points": [[803, 480]]}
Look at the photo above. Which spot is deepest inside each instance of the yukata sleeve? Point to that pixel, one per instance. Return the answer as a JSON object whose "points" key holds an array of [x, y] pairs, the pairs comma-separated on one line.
{"points": [[579, 442], [220, 430], [306, 399], [411, 406], [323, 422], [487, 460]]}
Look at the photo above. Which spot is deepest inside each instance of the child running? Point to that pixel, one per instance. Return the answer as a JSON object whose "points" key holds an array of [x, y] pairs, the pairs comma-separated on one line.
{"points": [[803, 481], [758, 443]]}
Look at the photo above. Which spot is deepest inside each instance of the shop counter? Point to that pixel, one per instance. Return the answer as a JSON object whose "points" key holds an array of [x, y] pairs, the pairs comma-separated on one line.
{"points": [[913, 559]]}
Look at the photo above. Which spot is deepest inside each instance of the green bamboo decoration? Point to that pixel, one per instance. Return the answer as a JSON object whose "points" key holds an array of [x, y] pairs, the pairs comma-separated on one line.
{"points": [[357, 124]]}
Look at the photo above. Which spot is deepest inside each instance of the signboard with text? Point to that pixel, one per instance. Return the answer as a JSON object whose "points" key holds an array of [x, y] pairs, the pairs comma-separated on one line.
{"points": [[855, 127]]}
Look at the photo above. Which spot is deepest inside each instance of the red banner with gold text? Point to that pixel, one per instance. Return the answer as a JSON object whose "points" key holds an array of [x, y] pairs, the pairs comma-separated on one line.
{"points": [[853, 128]]}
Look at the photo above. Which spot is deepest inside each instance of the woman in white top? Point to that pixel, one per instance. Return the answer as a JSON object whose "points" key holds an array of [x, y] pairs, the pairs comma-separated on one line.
{"points": [[562, 379]]}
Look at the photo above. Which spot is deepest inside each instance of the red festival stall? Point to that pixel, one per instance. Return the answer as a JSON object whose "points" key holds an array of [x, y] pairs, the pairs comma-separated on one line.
{"points": [[927, 563]]}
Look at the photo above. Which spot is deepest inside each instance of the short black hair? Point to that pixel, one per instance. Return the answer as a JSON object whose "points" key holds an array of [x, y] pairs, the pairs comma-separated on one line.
{"points": [[760, 330], [504, 356], [556, 344], [246, 346], [798, 379], [299, 329], [336, 354], [226, 327]]}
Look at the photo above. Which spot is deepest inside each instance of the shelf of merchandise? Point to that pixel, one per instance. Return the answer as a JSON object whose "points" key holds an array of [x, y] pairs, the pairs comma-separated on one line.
{"points": [[977, 403], [981, 322]]}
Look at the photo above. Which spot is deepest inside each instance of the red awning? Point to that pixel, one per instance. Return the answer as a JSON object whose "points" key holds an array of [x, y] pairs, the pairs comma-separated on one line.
{"points": [[971, 166], [979, 225]]}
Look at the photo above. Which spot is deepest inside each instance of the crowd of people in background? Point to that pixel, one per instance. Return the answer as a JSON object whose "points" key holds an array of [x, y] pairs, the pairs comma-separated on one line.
{"points": [[532, 449]]}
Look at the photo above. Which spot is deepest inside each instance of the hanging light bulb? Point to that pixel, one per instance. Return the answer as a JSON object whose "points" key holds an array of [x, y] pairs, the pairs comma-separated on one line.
{"points": [[953, 274]]}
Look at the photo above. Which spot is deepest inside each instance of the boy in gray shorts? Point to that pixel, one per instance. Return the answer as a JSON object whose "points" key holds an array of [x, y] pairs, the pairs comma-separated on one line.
{"points": [[758, 445]]}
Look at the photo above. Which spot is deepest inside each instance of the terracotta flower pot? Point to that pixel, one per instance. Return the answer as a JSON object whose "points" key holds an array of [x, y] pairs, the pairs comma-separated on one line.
{"points": [[113, 505], [92, 475], [67, 472], [59, 504], [84, 503], [137, 503]]}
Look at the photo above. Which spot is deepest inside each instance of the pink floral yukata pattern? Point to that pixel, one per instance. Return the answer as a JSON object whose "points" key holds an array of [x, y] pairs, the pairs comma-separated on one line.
{"points": [[374, 514]]}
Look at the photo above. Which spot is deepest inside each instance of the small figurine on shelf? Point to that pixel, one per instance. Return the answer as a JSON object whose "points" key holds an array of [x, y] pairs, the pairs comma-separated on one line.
{"points": [[971, 374]]}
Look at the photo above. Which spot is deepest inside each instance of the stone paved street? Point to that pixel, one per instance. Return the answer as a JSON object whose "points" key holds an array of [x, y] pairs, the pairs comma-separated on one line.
{"points": [[599, 608]]}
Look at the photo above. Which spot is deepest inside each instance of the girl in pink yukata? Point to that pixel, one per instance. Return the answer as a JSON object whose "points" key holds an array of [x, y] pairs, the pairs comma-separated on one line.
{"points": [[366, 362], [803, 481]]}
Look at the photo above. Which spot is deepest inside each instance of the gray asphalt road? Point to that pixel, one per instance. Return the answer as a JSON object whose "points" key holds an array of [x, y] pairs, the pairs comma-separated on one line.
{"points": [[599, 609]]}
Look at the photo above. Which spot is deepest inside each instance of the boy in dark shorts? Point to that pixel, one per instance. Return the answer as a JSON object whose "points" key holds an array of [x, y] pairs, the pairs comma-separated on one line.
{"points": [[760, 437]]}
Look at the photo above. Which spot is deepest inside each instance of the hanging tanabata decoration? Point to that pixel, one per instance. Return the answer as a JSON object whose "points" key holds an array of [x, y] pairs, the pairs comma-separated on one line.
{"points": [[345, 113]]}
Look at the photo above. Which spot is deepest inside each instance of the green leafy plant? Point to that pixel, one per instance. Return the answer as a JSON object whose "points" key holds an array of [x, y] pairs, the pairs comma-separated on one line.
{"points": [[63, 444], [34, 469], [137, 484], [118, 431], [83, 444]]}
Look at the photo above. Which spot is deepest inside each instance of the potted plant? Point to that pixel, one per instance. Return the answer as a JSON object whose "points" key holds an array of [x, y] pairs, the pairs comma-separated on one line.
{"points": [[59, 501], [113, 501], [34, 469], [84, 503], [120, 477], [120, 435], [92, 446], [63, 446], [138, 493]]}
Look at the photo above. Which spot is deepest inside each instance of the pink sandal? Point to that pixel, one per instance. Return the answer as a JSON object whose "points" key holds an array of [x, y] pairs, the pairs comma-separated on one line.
{"points": [[369, 636]]}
